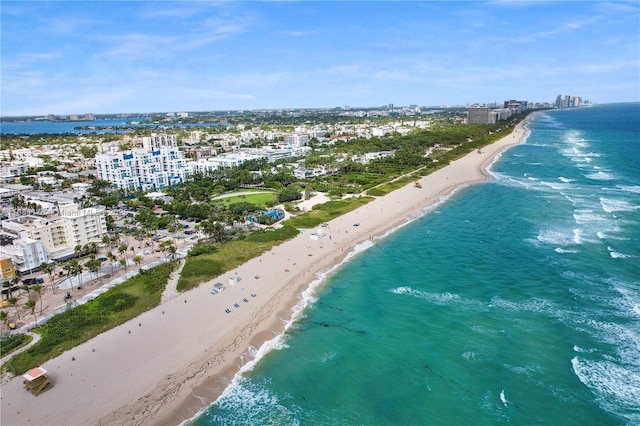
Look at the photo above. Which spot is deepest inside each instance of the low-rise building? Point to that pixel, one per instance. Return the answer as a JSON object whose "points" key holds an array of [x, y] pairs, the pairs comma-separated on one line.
{"points": [[25, 253]]}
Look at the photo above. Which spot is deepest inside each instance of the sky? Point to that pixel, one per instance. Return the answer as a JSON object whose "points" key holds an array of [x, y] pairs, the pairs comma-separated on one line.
{"points": [[77, 57]]}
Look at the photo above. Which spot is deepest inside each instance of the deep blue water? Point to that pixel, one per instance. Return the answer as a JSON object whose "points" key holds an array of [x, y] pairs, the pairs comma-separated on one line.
{"points": [[516, 302]]}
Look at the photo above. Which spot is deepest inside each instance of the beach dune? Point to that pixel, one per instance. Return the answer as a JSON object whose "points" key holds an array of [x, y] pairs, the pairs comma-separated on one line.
{"points": [[169, 363]]}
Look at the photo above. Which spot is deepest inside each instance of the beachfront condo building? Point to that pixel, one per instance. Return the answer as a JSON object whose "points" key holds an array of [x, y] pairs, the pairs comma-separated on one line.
{"points": [[60, 235]]}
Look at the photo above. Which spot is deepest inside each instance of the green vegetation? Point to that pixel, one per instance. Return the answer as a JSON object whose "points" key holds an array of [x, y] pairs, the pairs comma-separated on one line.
{"points": [[327, 211], [203, 267], [11, 342], [81, 323], [261, 199], [200, 249]]}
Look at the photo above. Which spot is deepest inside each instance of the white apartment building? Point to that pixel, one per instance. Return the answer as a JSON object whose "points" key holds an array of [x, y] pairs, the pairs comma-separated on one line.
{"points": [[157, 165], [83, 226], [156, 142], [208, 165], [26, 254], [367, 157], [381, 131], [304, 173], [10, 171], [60, 235], [297, 140]]}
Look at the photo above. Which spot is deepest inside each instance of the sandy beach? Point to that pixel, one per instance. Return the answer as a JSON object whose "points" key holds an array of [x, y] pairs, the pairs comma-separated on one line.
{"points": [[164, 366]]}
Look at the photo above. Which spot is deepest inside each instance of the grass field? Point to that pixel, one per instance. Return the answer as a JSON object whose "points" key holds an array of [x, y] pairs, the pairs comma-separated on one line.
{"points": [[260, 199]]}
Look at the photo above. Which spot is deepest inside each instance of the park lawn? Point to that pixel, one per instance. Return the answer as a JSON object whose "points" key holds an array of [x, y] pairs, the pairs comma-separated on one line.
{"points": [[261, 200], [79, 324]]}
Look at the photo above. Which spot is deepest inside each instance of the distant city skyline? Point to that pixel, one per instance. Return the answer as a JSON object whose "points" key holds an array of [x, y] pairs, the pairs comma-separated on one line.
{"points": [[67, 58]]}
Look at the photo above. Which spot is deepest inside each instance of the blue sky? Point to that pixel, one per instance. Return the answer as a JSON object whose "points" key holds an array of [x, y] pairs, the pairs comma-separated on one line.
{"points": [[134, 56]]}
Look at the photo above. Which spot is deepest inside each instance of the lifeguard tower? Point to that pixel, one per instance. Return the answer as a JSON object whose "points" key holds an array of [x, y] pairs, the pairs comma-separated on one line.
{"points": [[36, 381]]}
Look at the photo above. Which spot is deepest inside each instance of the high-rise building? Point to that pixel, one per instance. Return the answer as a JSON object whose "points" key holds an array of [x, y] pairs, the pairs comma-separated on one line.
{"points": [[157, 165], [478, 115]]}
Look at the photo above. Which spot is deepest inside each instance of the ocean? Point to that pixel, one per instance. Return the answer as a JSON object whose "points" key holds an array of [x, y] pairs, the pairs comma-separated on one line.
{"points": [[517, 301]]}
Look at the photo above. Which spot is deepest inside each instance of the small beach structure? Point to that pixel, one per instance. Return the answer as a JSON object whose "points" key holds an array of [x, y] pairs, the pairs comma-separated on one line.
{"points": [[36, 381]]}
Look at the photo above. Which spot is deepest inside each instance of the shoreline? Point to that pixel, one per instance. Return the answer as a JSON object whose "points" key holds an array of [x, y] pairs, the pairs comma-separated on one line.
{"points": [[170, 363]]}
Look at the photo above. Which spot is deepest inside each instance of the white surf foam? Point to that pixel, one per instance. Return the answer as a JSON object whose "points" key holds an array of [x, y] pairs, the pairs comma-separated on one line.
{"points": [[469, 355], [611, 205], [565, 180], [503, 398], [600, 175], [557, 186], [577, 236], [561, 250], [615, 386], [435, 298], [616, 255], [253, 403], [627, 188], [555, 237], [582, 350]]}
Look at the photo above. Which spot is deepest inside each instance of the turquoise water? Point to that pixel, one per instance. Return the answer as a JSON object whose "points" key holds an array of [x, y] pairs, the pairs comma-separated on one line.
{"points": [[516, 302]]}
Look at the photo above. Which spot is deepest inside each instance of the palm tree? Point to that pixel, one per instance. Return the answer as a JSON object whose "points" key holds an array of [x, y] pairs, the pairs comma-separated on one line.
{"points": [[213, 230], [15, 281], [73, 268], [47, 268], [14, 301], [7, 286], [138, 260], [93, 265], [122, 250], [123, 263], [112, 259], [78, 269], [68, 267], [106, 240], [38, 289], [3, 317], [26, 288], [31, 304], [172, 251]]}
